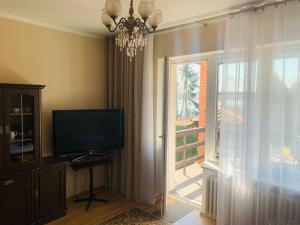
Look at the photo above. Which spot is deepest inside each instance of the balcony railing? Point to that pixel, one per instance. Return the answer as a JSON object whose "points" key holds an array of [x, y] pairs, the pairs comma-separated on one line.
{"points": [[185, 161]]}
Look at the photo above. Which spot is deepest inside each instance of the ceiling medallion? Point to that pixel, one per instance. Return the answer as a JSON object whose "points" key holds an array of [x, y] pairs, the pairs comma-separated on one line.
{"points": [[133, 29]]}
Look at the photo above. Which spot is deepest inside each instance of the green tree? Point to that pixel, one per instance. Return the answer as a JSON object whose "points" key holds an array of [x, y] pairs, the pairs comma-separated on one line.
{"points": [[190, 86]]}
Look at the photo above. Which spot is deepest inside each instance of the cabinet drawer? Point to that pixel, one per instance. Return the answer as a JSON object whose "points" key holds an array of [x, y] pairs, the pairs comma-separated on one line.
{"points": [[16, 205], [14, 180], [50, 184], [16, 198]]}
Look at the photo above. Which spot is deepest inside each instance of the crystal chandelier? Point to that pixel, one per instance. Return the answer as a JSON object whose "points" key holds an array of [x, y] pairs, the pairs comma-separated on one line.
{"points": [[133, 29]]}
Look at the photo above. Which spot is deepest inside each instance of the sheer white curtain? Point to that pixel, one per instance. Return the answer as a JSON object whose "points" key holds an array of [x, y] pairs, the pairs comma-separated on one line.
{"points": [[259, 177]]}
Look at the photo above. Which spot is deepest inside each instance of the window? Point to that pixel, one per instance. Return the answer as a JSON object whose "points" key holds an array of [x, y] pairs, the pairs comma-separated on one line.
{"points": [[218, 110], [234, 96], [187, 107]]}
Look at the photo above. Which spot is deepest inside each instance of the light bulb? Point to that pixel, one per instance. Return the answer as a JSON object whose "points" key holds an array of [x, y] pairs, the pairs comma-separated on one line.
{"points": [[106, 19], [113, 8], [146, 8], [156, 18]]}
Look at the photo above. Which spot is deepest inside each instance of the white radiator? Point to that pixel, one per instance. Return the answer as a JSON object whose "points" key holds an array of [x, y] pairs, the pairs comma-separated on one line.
{"points": [[265, 206], [278, 208], [211, 193], [210, 183]]}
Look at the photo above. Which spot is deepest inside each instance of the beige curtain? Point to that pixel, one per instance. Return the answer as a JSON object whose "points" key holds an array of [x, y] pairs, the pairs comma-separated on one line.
{"points": [[125, 90]]}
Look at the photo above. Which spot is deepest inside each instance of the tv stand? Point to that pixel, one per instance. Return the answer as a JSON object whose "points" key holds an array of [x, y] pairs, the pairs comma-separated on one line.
{"points": [[90, 155], [90, 160], [92, 195]]}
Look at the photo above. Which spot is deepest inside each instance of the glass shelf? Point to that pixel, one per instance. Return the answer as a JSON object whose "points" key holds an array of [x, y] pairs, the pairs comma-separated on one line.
{"points": [[21, 140], [21, 114], [18, 151]]}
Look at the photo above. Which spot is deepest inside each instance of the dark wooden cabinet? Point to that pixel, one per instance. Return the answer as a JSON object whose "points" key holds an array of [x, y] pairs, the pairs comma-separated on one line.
{"points": [[32, 190], [16, 199], [1, 131], [50, 191], [21, 116]]}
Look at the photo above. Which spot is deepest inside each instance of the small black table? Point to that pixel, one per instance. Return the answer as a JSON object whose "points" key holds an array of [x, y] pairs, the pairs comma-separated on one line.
{"points": [[90, 160]]}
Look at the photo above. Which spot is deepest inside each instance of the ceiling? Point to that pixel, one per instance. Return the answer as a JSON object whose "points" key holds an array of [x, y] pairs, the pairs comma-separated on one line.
{"points": [[83, 16]]}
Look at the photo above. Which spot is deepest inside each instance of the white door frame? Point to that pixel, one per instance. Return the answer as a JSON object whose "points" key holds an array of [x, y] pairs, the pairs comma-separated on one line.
{"points": [[214, 59], [167, 138], [161, 129]]}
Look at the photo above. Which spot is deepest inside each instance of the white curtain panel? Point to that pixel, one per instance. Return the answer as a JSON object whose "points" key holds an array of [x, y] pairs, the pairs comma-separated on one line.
{"points": [[147, 173], [259, 177]]}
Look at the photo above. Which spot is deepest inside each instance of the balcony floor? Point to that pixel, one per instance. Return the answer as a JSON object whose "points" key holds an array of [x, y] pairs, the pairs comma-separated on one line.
{"points": [[189, 184]]}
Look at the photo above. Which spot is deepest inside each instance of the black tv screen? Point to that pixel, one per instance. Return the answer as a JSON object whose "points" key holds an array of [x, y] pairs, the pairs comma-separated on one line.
{"points": [[76, 131]]}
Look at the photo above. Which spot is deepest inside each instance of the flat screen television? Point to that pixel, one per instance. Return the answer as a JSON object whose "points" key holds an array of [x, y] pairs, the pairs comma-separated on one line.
{"points": [[77, 131]]}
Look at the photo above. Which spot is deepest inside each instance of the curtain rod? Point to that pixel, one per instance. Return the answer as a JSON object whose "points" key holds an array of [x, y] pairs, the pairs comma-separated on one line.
{"points": [[230, 13]]}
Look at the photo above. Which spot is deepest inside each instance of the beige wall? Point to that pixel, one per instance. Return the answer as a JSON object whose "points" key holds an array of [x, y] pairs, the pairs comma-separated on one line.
{"points": [[71, 67], [190, 40]]}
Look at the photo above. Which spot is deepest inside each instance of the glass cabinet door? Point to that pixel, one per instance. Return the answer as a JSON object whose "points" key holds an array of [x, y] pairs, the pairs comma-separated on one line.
{"points": [[20, 127]]}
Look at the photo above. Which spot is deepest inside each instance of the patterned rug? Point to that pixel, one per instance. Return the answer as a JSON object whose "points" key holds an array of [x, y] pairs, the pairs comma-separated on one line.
{"points": [[134, 217]]}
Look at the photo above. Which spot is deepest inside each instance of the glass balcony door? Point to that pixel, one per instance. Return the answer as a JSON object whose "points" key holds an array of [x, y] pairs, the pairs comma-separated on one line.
{"points": [[20, 127]]}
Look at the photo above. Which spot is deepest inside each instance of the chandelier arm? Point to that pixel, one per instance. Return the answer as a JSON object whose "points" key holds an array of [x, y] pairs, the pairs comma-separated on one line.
{"points": [[111, 30], [138, 22], [143, 26], [122, 20], [149, 30], [121, 25]]}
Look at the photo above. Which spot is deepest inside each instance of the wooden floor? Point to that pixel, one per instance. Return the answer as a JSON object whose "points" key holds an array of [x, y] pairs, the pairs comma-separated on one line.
{"points": [[101, 211]]}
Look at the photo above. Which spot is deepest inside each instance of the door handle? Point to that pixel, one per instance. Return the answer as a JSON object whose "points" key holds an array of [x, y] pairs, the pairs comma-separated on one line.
{"points": [[36, 194], [6, 129], [9, 182]]}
